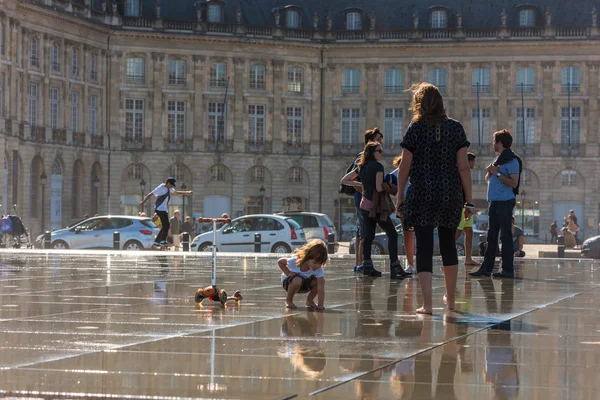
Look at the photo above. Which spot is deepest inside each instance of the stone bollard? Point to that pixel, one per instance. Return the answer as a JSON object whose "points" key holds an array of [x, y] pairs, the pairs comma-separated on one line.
{"points": [[257, 242], [116, 240], [561, 246], [47, 240], [186, 241], [331, 243]]}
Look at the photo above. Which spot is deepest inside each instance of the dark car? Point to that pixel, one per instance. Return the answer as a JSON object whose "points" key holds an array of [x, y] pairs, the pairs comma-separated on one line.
{"points": [[380, 244], [591, 247]]}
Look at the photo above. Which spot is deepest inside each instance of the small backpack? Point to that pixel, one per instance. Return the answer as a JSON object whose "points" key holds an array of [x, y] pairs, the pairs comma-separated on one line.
{"points": [[345, 189]]}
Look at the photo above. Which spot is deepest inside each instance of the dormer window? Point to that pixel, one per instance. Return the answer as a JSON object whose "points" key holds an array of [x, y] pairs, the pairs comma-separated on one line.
{"points": [[527, 17], [354, 21], [438, 19], [292, 17], [214, 13], [132, 8]]}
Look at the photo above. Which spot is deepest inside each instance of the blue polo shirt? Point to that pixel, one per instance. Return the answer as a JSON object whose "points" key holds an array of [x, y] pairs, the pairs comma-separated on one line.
{"points": [[498, 191]]}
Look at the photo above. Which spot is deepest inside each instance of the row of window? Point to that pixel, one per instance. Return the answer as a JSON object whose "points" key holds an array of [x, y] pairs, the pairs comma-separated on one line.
{"points": [[568, 177], [34, 60], [56, 111]]}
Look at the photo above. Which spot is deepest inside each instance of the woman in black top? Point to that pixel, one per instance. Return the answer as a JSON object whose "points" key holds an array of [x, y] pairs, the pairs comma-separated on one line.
{"points": [[435, 155], [371, 174]]}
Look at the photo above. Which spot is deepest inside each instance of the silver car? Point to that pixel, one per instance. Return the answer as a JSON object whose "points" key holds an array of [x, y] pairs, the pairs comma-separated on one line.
{"points": [[136, 233], [315, 225]]}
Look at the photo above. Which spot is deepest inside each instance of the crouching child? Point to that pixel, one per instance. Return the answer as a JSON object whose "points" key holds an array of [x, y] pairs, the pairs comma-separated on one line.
{"points": [[304, 273]]}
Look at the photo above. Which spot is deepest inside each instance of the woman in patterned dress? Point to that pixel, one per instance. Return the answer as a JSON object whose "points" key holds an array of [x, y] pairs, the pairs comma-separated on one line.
{"points": [[434, 154]]}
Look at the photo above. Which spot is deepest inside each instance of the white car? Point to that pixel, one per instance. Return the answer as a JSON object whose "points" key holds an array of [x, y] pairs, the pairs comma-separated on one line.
{"points": [[279, 234], [136, 233]]}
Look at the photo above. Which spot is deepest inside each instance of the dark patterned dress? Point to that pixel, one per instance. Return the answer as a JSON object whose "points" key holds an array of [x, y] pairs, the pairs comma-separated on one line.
{"points": [[435, 195]]}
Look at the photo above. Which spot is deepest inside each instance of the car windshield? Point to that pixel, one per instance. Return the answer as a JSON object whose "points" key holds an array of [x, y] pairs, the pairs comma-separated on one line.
{"points": [[292, 223]]}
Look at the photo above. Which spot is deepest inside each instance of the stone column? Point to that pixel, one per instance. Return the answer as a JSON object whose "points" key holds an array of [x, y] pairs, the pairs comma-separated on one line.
{"points": [[12, 45], [548, 136], [331, 139], [371, 91], [503, 68], [156, 77], [197, 108], [238, 106], [591, 114], [66, 101], [416, 73], [279, 81], [85, 98], [459, 85], [115, 62]]}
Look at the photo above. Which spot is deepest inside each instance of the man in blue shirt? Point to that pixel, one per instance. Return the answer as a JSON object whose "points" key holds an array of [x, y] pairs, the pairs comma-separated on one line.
{"points": [[503, 184]]}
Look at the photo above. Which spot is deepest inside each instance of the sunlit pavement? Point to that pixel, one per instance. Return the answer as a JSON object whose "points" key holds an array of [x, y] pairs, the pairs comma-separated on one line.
{"points": [[92, 324]]}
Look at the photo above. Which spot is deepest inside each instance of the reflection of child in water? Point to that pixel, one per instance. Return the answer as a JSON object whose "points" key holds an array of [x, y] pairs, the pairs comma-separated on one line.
{"points": [[309, 359], [303, 273]]}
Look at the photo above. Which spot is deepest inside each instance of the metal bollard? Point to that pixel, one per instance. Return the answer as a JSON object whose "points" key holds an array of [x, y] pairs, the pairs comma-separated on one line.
{"points": [[331, 243], [257, 242], [186, 241], [47, 240], [116, 240], [561, 246]]}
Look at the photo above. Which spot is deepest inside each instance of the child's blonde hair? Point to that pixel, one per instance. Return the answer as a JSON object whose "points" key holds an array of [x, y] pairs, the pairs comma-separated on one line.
{"points": [[315, 249]]}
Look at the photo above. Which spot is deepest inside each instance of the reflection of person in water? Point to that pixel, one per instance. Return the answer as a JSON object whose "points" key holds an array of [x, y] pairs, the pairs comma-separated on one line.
{"points": [[159, 293], [309, 359]]}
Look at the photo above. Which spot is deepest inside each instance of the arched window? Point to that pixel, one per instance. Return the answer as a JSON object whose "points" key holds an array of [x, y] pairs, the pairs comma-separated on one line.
{"points": [[214, 13], [292, 19], [354, 21], [568, 177], [295, 175], [135, 71], [217, 173], [177, 171], [438, 19], [257, 174], [134, 171], [527, 17]]}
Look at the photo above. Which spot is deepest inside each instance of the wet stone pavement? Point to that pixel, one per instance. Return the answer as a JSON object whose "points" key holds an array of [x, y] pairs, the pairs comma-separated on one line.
{"points": [[78, 325]]}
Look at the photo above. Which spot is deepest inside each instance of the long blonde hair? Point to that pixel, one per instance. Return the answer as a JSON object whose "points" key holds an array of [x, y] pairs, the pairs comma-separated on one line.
{"points": [[315, 249], [427, 103]]}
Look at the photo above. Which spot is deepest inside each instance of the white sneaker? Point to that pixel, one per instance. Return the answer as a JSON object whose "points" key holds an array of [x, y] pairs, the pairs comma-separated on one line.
{"points": [[411, 270]]}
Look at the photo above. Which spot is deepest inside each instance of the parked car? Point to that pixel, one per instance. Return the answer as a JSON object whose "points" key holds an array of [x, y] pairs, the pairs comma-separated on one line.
{"points": [[279, 234], [380, 243], [137, 233], [315, 225], [591, 247]]}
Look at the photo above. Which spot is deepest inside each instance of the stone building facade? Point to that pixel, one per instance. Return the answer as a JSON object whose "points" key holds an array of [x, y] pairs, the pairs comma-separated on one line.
{"points": [[101, 101]]}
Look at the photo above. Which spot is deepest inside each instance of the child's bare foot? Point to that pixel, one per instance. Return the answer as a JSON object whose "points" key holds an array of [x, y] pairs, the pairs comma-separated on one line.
{"points": [[471, 262], [449, 304], [423, 310], [290, 305], [311, 304]]}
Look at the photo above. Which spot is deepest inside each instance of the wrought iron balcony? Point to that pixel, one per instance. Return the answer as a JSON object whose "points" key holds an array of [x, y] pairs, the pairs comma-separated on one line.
{"points": [[179, 143], [133, 143], [38, 134], [295, 147], [59, 136], [176, 80], [220, 144], [218, 83], [480, 88], [257, 146], [570, 88], [525, 88], [393, 89], [135, 79], [350, 89], [79, 139], [97, 141], [348, 149]]}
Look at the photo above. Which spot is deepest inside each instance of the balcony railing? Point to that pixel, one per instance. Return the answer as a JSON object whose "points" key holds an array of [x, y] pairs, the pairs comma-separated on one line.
{"points": [[528, 149], [179, 25], [219, 28], [59, 136], [97, 141], [38, 134], [349, 149], [179, 143], [136, 22], [350, 35], [525, 88], [255, 146], [393, 89], [79, 139], [297, 33], [218, 83], [130, 143], [220, 145], [350, 89], [396, 34], [259, 30], [525, 32], [177, 80], [437, 33], [135, 79], [570, 88], [482, 33], [258, 85], [295, 147], [566, 150], [571, 31], [480, 88]]}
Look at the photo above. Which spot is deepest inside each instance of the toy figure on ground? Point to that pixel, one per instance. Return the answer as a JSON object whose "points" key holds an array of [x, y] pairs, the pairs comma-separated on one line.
{"points": [[216, 295], [304, 273]]}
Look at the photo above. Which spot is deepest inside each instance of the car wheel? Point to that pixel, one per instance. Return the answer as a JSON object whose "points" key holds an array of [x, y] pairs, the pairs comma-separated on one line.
{"points": [[204, 246], [281, 248], [460, 249], [60, 245], [376, 249], [133, 245]]}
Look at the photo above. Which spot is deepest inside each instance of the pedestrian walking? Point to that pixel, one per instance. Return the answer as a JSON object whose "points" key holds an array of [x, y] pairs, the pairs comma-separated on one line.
{"points": [[434, 155], [503, 177], [554, 232], [175, 223], [163, 194]]}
